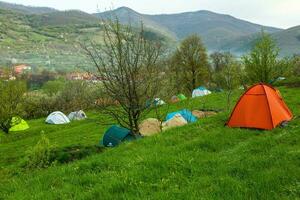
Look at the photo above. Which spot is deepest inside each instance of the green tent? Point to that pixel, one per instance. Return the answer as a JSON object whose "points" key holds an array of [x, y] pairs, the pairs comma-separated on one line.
{"points": [[181, 97], [115, 135], [18, 124]]}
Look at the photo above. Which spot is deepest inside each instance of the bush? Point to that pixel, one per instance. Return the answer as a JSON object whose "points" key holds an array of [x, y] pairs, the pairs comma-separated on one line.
{"points": [[77, 95], [39, 105], [39, 156]]}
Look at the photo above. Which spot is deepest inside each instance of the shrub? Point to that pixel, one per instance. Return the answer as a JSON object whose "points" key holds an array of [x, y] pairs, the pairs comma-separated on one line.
{"points": [[76, 95], [39, 156], [39, 105]]}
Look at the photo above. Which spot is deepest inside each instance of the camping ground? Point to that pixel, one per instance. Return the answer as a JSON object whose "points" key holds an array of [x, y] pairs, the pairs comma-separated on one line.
{"points": [[203, 160]]}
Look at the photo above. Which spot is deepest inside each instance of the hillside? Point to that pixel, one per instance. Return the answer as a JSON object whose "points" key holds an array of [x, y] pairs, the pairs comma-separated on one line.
{"points": [[24, 40], [202, 160], [50, 40], [25, 9], [63, 18]]}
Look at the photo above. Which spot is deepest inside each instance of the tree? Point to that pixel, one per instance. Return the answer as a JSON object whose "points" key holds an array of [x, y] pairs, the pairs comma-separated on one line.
{"points": [[228, 74], [11, 93], [76, 95], [52, 88], [263, 63], [296, 64], [127, 64], [219, 60], [190, 63]]}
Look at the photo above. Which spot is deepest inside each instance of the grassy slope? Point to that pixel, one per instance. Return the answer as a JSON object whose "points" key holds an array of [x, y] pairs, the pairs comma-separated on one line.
{"points": [[203, 160]]}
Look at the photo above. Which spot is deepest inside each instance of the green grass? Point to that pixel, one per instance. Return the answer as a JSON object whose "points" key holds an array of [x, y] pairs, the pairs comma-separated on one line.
{"points": [[204, 160]]}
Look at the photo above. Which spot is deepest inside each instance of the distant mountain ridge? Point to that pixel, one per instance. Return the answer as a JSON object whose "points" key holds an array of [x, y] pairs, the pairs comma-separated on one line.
{"points": [[215, 29], [219, 32]]}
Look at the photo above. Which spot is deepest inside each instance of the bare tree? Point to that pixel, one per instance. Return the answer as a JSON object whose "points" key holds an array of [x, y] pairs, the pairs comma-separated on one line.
{"points": [[227, 74], [126, 62]]}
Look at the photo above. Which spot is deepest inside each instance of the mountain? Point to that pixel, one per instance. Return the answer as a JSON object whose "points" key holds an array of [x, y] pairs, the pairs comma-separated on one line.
{"points": [[37, 35], [287, 40], [219, 32], [215, 29], [26, 9]]}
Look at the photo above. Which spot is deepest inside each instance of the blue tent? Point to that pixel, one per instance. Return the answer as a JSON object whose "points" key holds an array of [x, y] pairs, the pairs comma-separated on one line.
{"points": [[186, 114], [115, 135]]}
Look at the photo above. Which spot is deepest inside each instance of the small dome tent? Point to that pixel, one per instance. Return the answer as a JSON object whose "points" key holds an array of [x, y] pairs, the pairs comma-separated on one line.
{"points": [[186, 114], [115, 135], [181, 97], [200, 92], [150, 127], [57, 118], [176, 121], [18, 124], [158, 102], [260, 107], [77, 115], [174, 99]]}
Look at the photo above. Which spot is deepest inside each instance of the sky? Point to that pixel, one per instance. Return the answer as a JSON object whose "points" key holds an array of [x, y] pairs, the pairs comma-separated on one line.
{"points": [[277, 13]]}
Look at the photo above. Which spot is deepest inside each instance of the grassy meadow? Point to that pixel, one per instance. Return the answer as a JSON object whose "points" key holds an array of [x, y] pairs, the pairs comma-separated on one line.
{"points": [[203, 160]]}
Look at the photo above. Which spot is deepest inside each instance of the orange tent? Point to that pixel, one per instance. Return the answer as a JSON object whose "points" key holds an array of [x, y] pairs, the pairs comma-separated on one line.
{"points": [[261, 107]]}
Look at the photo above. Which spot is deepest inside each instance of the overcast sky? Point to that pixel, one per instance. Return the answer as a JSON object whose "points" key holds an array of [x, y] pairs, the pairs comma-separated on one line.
{"points": [[279, 13]]}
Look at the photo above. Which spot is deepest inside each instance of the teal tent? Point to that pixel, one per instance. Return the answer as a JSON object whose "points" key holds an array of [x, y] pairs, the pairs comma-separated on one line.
{"points": [[115, 135]]}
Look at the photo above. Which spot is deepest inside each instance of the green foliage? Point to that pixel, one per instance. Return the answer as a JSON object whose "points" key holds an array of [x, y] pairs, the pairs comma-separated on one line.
{"points": [[226, 72], [263, 64], [12, 96], [39, 105], [77, 95], [52, 88], [39, 156], [190, 64]]}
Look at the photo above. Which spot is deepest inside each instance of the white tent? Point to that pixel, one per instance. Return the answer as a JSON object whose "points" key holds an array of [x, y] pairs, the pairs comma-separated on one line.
{"points": [[159, 102], [57, 118], [77, 115], [200, 92]]}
